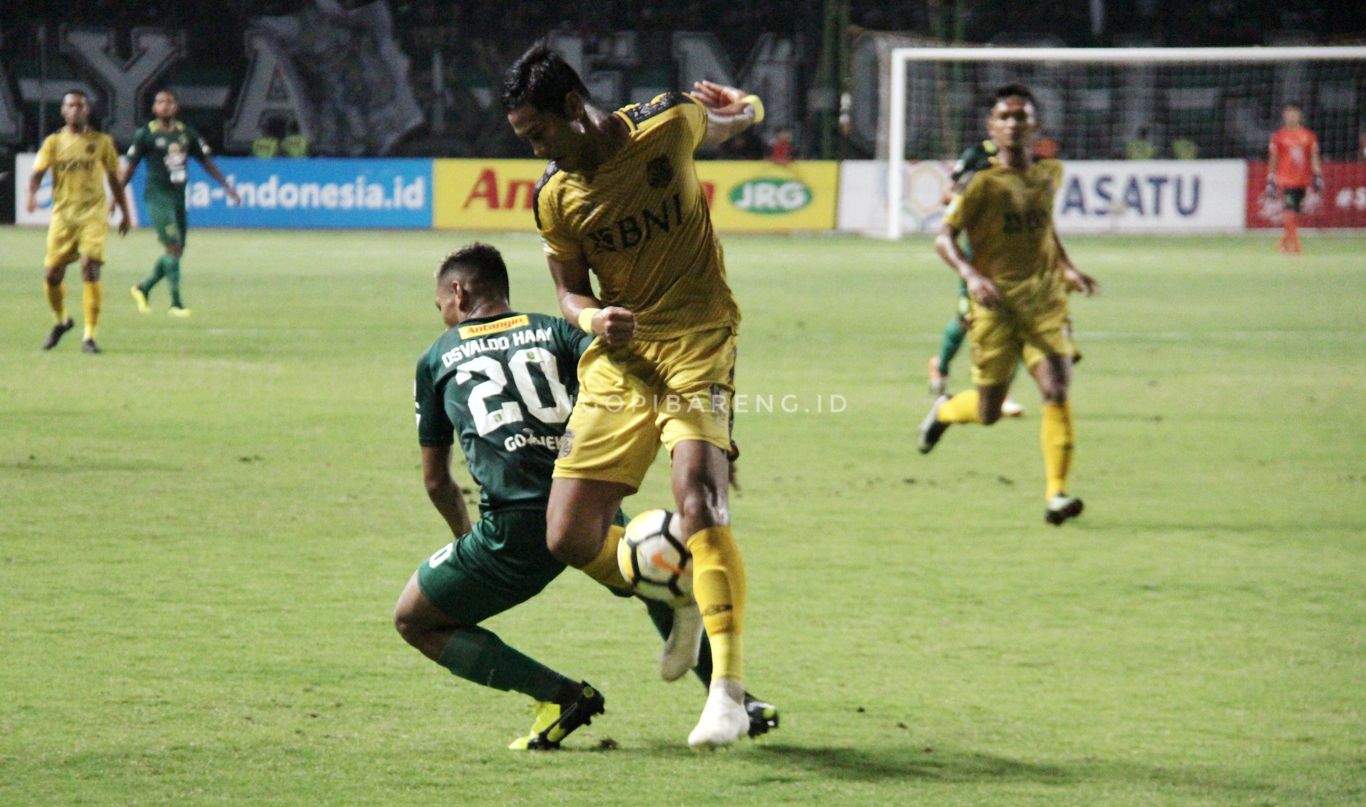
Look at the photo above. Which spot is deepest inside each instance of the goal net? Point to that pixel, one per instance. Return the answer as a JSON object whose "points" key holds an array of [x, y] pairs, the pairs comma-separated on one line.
{"points": [[1149, 104]]}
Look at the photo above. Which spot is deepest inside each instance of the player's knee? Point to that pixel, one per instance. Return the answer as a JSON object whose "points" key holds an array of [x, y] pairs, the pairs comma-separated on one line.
{"points": [[571, 544], [407, 625], [988, 415], [702, 504]]}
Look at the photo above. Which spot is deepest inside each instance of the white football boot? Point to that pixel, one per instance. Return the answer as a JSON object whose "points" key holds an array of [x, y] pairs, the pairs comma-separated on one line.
{"points": [[724, 719]]}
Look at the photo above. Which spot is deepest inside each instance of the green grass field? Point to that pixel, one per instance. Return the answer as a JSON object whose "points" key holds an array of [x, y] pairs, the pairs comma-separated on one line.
{"points": [[203, 531]]}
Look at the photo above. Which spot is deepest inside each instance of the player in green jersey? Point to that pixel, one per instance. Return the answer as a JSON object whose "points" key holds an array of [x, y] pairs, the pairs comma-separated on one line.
{"points": [[168, 144], [503, 384], [977, 157]]}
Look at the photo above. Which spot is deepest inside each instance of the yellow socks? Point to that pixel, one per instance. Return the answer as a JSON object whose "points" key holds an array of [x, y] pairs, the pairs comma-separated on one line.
{"points": [[1055, 437], [603, 568], [718, 575], [961, 408], [90, 301], [56, 300]]}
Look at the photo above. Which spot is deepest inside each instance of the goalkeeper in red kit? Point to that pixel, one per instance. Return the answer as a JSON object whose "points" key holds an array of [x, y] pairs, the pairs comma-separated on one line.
{"points": [[1293, 169]]}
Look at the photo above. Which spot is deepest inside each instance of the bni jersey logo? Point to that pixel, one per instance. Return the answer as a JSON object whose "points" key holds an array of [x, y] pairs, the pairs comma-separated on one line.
{"points": [[770, 196]]}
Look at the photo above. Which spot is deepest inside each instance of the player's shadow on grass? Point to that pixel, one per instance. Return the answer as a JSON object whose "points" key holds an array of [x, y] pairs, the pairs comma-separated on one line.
{"points": [[954, 766], [904, 763]]}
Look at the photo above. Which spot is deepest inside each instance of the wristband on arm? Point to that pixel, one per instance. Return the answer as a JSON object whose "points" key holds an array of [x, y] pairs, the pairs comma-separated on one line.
{"points": [[586, 319], [753, 100]]}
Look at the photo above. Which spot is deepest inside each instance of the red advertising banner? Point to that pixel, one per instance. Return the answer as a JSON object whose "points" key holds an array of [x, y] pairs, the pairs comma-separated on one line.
{"points": [[1341, 204]]}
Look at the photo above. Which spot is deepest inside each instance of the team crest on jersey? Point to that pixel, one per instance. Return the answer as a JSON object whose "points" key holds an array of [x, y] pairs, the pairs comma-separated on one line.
{"points": [[90, 148], [566, 443], [659, 173]]}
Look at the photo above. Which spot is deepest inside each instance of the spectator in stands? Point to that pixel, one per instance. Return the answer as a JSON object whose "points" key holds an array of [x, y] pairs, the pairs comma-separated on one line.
{"points": [[780, 147], [294, 144], [1046, 148], [1183, 148], [1140, 148], [272, 133], [1361, 148]]}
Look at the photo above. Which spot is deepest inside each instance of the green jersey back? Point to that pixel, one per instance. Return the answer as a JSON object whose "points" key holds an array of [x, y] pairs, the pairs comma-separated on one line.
{"points": [[505, 386], [977, 157], [168, 153]]}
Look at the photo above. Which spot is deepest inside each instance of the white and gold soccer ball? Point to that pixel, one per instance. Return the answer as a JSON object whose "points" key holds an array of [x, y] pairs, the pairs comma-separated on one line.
{"points": [[654, 559]]}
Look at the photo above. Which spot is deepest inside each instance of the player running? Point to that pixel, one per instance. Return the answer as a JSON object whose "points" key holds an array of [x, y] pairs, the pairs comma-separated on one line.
{"points": [[620, 199], [503, 383], [977, 157], [1293, 167], [81, 160], [169, 144], [1018, 280]]}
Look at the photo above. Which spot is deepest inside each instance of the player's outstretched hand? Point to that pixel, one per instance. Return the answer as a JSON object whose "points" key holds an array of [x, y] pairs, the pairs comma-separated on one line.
{"points": [[615, 325], [32, 204], [1078, 280], [719, 98], [232, 194], [984, 291], [123, 225]]}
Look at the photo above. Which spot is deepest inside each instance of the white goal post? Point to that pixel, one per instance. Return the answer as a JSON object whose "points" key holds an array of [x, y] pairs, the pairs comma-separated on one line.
{"points": [[1000, 61]]}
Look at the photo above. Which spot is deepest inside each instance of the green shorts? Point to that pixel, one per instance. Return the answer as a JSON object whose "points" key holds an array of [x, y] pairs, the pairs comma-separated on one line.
{"points": [[502, 562], [168, 219]]}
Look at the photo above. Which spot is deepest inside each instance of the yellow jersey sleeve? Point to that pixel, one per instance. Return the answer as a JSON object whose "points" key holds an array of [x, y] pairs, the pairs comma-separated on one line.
{"points": [[556, 239], [964, 207], [46, 154], [1054, 172], [109, 156]]}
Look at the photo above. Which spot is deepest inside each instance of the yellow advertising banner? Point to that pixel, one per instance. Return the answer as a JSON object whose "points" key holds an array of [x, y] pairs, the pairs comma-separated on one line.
{"points": [[748, 196]]}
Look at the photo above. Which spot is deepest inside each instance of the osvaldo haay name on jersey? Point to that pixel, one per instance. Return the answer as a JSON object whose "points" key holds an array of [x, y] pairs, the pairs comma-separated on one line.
{"points": [[465, 350]]}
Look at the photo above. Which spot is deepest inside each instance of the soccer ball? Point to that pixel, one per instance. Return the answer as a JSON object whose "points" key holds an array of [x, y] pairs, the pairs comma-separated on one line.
{"points": [[654, 559]]}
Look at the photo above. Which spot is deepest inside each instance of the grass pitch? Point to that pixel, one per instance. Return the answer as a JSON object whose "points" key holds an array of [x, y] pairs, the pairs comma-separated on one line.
{"points": [[202, 533]]}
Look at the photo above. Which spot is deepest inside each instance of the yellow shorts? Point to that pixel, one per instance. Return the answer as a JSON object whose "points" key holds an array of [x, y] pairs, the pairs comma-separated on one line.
{"points": [[1002, 337], [69, 237], [633, 398]]}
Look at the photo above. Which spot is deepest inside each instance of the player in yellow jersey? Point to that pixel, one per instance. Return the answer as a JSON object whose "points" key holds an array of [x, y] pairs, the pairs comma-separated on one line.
{"points": [[1018, 278], [621, 200], [81, 160]]}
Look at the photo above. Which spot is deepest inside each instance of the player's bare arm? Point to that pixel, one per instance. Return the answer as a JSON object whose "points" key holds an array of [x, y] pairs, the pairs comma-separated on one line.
{"points": [[34, 180], [211, 168], [980, 287], [442, 490], [730, 111], [121, 201], [1075, 279], [573, 287], [1317, 166]]}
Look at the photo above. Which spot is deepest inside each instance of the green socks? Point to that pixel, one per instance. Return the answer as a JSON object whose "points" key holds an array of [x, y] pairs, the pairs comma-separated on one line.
{"points": [[167, 266], [950, 342], [480, 656]]}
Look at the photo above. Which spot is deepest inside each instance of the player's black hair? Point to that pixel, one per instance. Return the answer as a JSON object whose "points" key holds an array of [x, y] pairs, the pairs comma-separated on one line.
{"points": [[479, 268], [1015, 90], [542, 78], [168, 91], [1295, 105]]}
